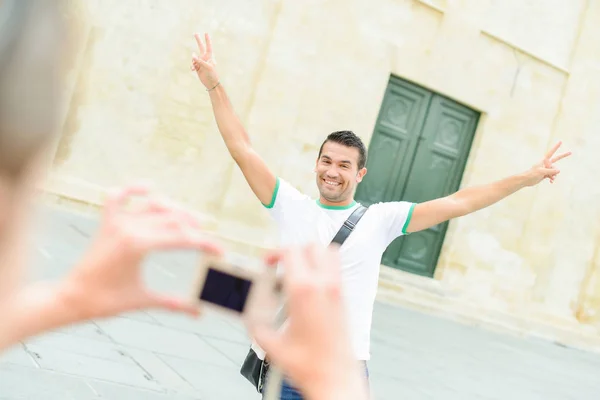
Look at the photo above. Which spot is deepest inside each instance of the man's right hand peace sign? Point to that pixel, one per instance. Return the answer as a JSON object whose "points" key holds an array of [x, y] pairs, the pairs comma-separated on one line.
{"points": [[204, 64]]}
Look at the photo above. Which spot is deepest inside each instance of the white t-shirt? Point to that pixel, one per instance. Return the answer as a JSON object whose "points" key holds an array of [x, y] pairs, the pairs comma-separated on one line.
{"points": [[302, 220]]}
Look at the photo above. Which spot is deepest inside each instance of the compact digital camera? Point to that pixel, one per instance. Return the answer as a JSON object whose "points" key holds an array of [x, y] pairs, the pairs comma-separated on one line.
{"points": [[249, 293]]}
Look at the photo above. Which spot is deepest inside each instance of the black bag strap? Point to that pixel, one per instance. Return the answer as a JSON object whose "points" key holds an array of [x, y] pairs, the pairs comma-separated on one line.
{"points": [[348, 226]]}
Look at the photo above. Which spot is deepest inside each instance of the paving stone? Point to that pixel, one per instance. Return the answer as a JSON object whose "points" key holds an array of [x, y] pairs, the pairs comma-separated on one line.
{"points": [[122, 371], [209, 325], [18, 355], [236, 352], [112, 391], [161, 340], [88, 330], [214, 383], [142, 316], [160, 371], [68, 343], [19, 382]]}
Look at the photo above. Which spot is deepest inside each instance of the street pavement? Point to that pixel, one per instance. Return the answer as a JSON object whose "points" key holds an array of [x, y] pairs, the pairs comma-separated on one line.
{"points": [[156, 356]]}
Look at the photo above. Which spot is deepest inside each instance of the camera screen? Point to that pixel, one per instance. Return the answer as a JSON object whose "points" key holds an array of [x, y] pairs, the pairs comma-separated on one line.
{"points": [[225, 290]]}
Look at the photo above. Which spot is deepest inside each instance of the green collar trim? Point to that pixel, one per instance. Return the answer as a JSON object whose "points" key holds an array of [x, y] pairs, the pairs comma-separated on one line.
{"points": [[336, 207]]}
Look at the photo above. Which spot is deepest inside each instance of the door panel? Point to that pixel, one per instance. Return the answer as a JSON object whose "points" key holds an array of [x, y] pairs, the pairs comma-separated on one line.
{"points": [[413, 253], [392, 146], [442, 147], [436, 171]]}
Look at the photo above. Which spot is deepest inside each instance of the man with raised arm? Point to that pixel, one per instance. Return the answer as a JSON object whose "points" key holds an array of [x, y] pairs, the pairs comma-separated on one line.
{"points": [[340, 167]]}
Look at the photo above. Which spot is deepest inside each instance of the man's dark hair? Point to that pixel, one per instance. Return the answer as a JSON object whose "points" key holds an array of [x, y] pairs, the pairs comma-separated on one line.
{"points": [[348, 139]]}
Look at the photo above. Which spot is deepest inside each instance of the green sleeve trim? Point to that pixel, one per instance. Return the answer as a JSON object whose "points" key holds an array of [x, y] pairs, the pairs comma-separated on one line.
{"points": [[410, 213], [274, 197]]}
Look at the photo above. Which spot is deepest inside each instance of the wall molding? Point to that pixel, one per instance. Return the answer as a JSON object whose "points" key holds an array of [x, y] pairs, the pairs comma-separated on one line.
{"points": [[429, 4], [520, 49]]}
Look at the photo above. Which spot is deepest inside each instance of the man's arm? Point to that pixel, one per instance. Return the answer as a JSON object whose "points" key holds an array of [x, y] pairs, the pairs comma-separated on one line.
{"points": [[463, 202], [260, 178], [469, 200]]}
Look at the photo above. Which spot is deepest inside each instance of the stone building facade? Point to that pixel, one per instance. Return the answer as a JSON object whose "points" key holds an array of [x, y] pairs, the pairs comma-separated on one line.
{"points": [[297, 70]]}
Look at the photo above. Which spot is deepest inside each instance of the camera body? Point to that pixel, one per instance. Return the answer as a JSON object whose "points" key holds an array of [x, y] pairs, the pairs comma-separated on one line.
{"points": [[250, 293]]}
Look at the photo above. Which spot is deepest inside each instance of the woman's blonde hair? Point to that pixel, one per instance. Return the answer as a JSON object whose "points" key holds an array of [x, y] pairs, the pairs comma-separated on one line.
{"points": [[30, 51]]}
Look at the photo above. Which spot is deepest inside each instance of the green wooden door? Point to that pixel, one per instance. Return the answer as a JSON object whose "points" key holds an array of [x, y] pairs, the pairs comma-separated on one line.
{"points": [[417, 153], [394, 141]]}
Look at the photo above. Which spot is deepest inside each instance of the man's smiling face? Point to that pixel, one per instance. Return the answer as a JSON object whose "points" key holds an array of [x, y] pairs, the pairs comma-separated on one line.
{"points": [[338, 173]]}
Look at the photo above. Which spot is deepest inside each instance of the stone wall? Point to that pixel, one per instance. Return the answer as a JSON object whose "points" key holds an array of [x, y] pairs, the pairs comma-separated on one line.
{"points": [[296, 70]]}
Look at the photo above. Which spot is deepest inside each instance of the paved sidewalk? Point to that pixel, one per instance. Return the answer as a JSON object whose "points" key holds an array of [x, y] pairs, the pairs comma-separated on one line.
{"points": [[155, 355]]}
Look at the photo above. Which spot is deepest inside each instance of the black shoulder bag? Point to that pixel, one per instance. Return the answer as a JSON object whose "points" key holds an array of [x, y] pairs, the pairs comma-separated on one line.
{"points": [[253, 368]]}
